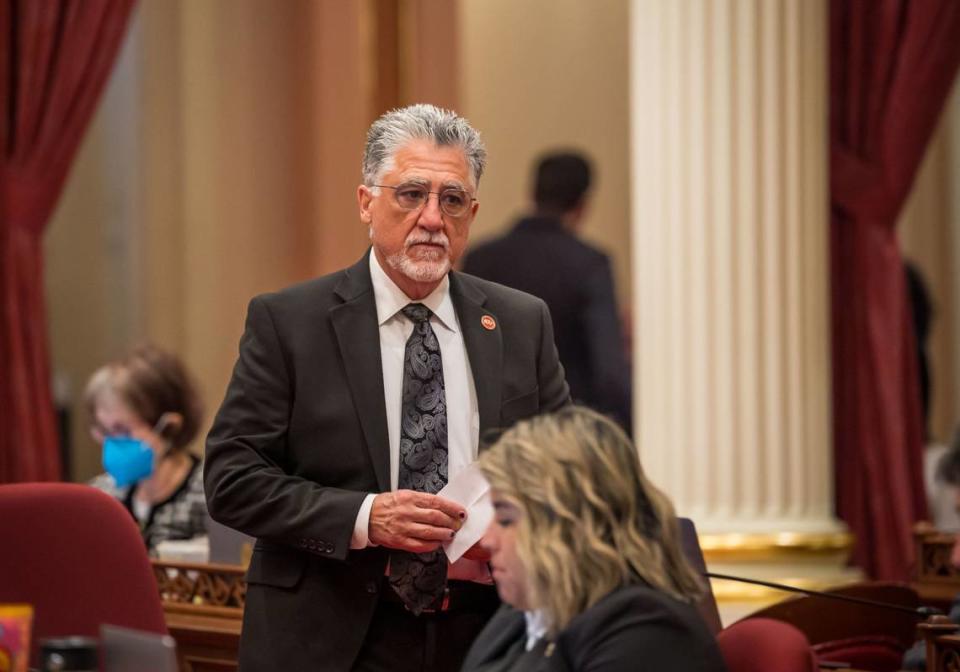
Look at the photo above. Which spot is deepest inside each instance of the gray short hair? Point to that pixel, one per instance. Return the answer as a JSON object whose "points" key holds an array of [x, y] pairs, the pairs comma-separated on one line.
{"points": [[419, 122]]}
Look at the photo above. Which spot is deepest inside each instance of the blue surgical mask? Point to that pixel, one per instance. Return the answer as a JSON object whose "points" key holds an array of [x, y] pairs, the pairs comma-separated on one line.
{"points": [[127, 460]]}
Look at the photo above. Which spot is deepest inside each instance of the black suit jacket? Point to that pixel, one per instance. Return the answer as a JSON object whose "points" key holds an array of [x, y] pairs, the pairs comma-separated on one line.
{"points": [[633, 629], [301, 438], [540, 257]]}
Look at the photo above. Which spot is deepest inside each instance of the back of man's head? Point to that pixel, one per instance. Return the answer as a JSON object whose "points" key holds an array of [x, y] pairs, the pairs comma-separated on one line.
{"points": [[562, 180]]}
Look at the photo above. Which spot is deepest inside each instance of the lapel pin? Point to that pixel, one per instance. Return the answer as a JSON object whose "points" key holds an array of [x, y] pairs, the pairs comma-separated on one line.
{"points": [[488, 323]]}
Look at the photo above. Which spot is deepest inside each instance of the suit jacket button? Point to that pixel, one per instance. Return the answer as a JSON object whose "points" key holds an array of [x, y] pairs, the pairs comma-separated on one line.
{"points": [[371, 587]]}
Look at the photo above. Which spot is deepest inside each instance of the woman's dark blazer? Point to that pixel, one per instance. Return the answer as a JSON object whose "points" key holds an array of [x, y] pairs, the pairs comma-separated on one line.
{"points": [[633, 629]]}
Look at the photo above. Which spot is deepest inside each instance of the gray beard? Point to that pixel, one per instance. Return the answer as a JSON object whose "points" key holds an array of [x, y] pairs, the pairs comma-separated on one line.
{"points": [[419, 271]]}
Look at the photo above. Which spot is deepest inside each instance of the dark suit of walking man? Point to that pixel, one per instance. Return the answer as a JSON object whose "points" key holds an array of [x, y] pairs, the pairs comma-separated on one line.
{"points": [[543, 255], [307, 449]]}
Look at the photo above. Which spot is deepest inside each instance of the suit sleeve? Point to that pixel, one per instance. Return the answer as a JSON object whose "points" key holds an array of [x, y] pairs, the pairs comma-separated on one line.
{"points": [[608, 366], [551, 380], [247, 486], [641, 637]]}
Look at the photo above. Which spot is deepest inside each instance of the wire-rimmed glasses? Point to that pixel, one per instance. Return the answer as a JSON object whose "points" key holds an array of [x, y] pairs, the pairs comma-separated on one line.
{"points": [[453, 201]]}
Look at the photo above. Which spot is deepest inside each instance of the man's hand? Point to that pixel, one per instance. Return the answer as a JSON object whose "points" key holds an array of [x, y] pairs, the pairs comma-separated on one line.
{"points": [[413, 521]]}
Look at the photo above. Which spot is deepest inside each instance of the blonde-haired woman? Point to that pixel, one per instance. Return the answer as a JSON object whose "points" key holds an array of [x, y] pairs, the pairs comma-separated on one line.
{"points": [[586, 554]]}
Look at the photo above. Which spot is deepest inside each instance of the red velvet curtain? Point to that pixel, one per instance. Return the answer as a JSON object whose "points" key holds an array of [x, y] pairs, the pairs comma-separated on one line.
{"points": [[54, 60], [892, 63]]}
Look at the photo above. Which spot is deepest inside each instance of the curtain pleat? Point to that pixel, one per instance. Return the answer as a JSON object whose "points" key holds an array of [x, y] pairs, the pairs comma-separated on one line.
{"points": [[892, 63], [55, 57]]}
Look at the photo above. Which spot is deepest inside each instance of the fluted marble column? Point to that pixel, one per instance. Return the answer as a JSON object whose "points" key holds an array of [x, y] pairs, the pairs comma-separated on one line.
{"points": [[730, 257]]}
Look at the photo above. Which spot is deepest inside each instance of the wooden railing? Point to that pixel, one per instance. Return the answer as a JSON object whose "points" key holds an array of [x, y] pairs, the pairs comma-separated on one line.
{"points": [[936, 580], [218, 590], [943, 644], [204, 605]]}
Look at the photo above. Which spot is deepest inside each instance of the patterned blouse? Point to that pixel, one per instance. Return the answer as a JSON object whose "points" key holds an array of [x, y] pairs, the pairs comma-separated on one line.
{"points": [[181, 516]]}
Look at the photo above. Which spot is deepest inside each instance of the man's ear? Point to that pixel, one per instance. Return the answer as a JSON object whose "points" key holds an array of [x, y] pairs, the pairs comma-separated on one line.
{"points": [[364, 198]]}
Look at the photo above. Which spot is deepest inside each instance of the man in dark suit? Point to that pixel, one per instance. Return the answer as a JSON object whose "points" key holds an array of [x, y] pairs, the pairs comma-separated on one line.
{"points": [[543, 256], [353, 398]]}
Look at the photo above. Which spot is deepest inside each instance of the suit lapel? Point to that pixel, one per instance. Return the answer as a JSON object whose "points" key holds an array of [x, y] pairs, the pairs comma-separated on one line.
{"points": [[484, 347], [358, 337], [503, 632]]}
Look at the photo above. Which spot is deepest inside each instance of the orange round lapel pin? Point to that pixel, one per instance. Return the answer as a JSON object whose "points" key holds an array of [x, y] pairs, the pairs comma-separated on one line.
{"points": [[488, 322]]}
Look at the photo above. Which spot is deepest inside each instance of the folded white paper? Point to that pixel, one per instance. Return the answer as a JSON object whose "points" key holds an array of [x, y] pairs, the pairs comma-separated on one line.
{"points": [[469, 489]]}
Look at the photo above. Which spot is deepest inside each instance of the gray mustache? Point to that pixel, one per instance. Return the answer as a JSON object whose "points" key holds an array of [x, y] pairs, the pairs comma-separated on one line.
{"points": [[439, 239]]}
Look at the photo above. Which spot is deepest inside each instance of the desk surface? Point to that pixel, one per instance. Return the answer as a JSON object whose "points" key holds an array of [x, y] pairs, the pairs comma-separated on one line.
{"points": [[205, 643]]}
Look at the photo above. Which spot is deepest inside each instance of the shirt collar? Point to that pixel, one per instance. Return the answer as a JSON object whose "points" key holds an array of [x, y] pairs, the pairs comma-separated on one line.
{"points": [[537, 624], [391, 299]]}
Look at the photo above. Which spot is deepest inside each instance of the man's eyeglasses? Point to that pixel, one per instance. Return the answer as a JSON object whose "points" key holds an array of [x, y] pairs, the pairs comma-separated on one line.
{"points": [[453, 201]]}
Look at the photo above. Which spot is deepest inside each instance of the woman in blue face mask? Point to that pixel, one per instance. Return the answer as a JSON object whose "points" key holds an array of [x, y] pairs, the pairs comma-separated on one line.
{"points": [[145, 411]]}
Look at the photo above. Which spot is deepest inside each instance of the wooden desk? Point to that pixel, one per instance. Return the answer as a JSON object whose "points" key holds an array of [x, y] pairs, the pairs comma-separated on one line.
{"points": [[936, 580], [943, 644], [205, 643], [203, 604]]}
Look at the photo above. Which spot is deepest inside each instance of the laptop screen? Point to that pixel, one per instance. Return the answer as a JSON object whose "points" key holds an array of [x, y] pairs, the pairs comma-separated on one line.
{"points": [[128, 650]]}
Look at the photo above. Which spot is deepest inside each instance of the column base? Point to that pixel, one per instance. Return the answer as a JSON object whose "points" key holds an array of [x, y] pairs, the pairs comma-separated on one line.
{"points": [[810, 560]]}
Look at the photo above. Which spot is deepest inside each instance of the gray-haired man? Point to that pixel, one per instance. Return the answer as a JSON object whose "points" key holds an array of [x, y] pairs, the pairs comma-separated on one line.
{"points": [[354, 398]]}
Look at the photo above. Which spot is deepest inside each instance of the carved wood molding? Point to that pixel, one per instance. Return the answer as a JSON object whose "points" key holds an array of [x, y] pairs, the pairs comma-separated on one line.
{"points": [[201, 588], [933, 556], [942, 643]]}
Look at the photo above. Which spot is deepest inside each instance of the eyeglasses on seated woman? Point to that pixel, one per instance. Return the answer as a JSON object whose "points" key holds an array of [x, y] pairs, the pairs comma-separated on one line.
{"points": [[585, 552]]}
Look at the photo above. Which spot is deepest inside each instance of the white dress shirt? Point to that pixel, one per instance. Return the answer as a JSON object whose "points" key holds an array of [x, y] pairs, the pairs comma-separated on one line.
{"points": [[537, 625], [463, 417]]}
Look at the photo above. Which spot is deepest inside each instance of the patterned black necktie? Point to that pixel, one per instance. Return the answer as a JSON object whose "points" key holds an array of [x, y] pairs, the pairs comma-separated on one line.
{"points": [[420, 578]]}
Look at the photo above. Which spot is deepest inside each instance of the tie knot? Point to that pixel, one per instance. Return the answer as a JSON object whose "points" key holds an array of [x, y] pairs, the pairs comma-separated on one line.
{"points": [[417, 312]]}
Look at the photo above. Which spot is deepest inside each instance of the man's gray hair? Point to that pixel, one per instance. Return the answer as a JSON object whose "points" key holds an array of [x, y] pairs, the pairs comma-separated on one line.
{"points": [[419, 122]]}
